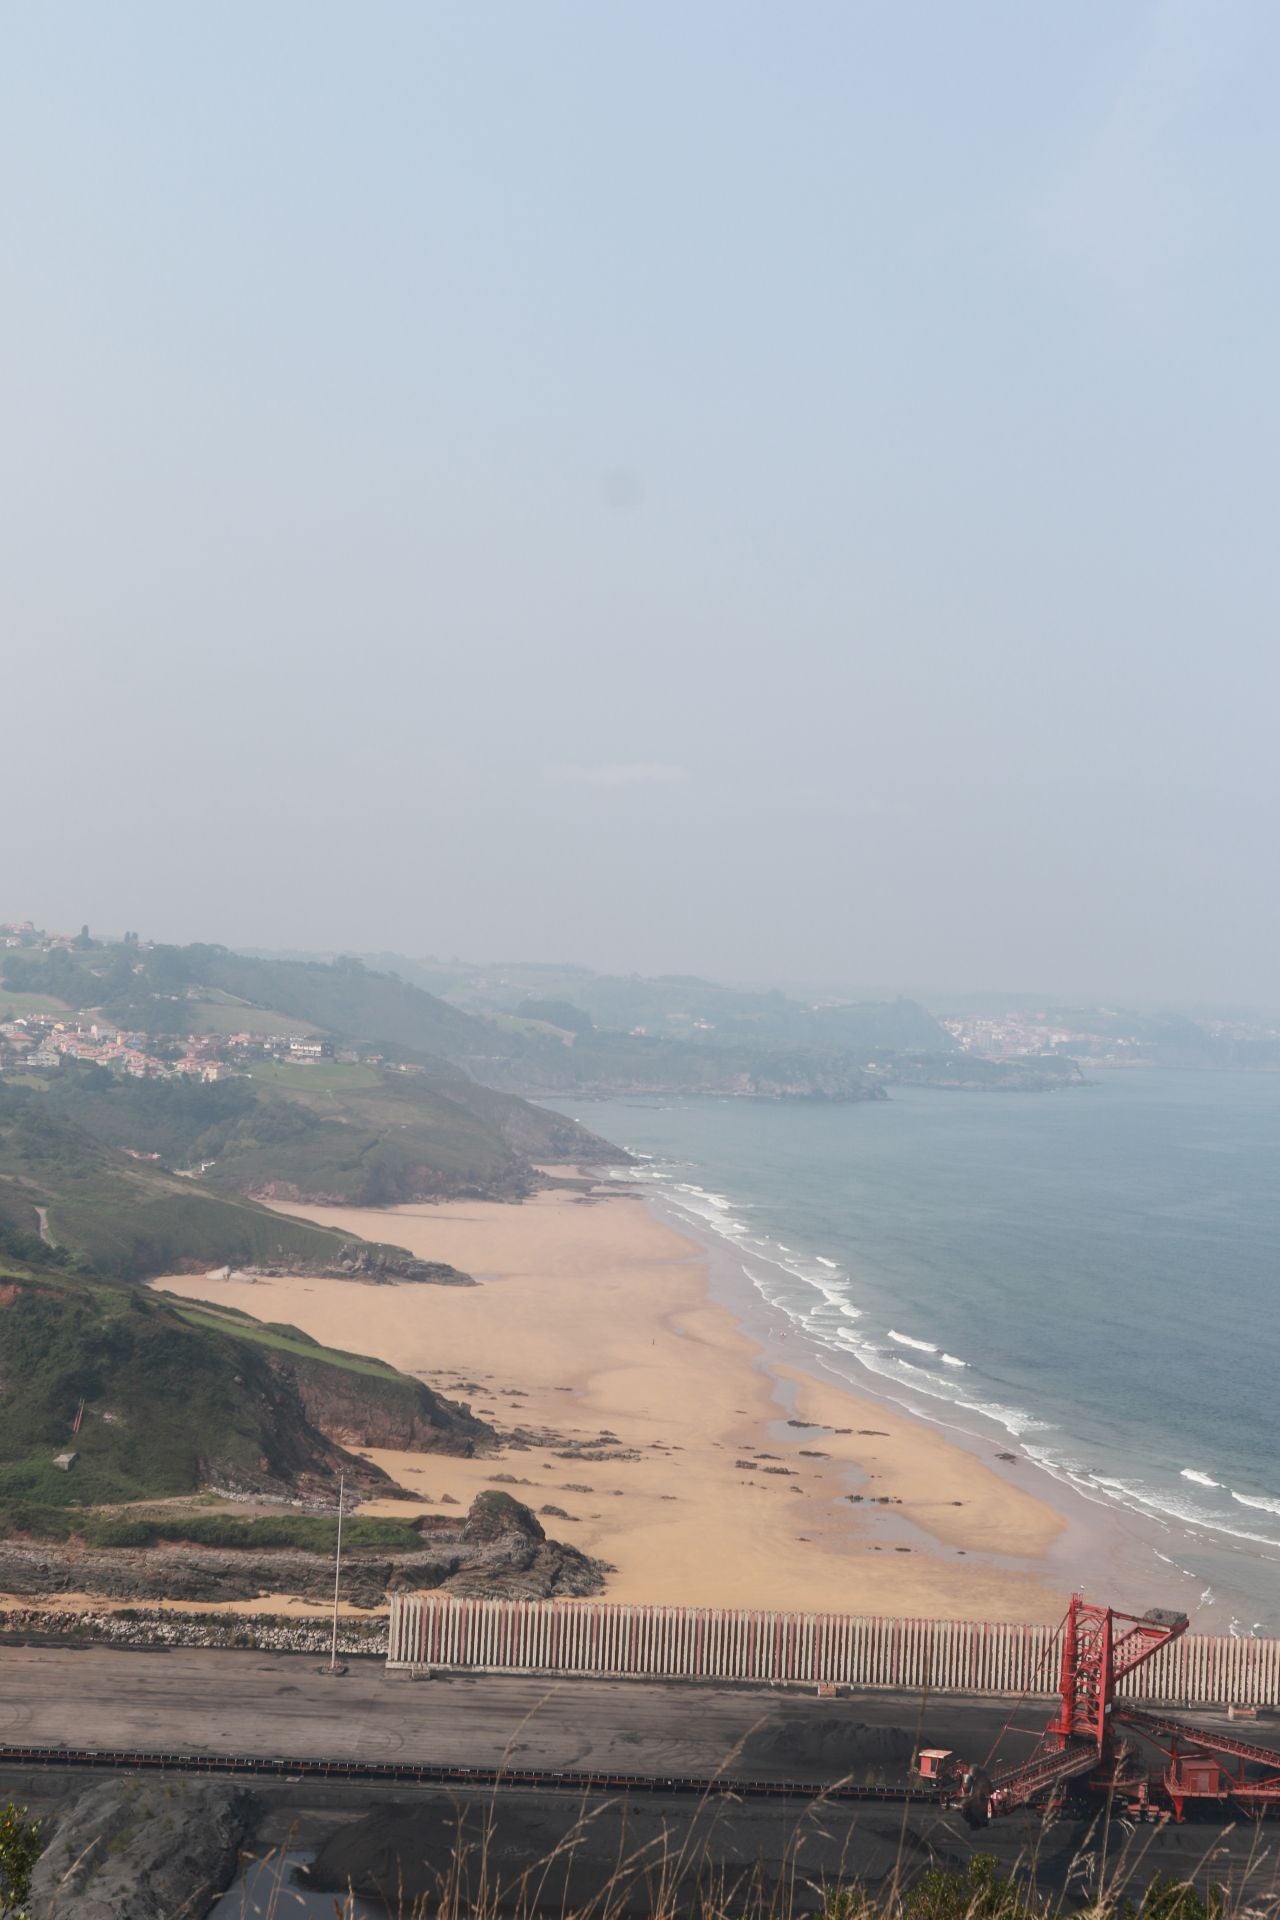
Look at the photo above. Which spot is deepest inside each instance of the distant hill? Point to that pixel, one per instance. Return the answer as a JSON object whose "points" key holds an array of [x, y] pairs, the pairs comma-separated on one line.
{"points": [[174, 990], [346, 1134], [489, 1039], [415, 1126], [555, 1030], [130, 1219], [682, 1007]]}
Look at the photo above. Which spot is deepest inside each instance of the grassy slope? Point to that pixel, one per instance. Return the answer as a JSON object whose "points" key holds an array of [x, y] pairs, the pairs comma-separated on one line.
{"points": [[433, 1133], [130, 1220], [366, 1136], [223, 1016], [381, 1009], [16, 1006], [187, 1405], [176, 1397], [670, 1006], [278, 1339]]}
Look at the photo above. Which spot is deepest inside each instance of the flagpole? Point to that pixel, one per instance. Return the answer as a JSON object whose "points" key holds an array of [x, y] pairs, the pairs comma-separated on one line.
{"points": [[337, 1576]]}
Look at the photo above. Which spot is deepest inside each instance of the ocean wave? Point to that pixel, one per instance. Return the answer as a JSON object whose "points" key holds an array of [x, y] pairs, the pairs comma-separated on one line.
{"points": [[1168, 1506], [831, 1319], [1263, 1504], [1014, 1420], [814, 1295]]}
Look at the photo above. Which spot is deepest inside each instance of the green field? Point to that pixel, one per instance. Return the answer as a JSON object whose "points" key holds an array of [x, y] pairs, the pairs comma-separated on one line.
{"points": [[17, 1006], [266, 1336], [225, 1014], [315, 1076]]}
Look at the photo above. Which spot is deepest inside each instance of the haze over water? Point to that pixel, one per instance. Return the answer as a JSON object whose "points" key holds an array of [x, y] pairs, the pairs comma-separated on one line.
{"points": [[1087, 1277]]}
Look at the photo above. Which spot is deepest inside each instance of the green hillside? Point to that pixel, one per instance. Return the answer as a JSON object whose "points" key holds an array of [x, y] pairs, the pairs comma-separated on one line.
{"points": [[365, 1136], [176, 1399], [332, 1131], [128, 1219], [527, 1056], [677, 1007]]}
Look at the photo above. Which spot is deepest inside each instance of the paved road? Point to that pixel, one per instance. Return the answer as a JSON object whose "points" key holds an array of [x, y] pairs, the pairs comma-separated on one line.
{"points": [[282, 1705]]}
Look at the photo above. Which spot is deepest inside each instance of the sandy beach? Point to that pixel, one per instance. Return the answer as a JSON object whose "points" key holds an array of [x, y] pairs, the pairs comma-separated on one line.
{"points": [[725, 1479]]}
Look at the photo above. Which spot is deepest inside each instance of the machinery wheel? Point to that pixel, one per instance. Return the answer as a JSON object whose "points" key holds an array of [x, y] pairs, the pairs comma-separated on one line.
{"points": [[975, 1802]]}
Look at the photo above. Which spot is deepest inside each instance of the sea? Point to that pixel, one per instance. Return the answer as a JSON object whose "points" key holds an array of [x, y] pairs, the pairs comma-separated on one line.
{"points": [[1087, 1279]]}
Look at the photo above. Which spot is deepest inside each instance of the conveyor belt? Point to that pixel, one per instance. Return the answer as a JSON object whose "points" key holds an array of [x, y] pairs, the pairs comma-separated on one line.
{"points": [[1208, 1738], [425, 1773]]}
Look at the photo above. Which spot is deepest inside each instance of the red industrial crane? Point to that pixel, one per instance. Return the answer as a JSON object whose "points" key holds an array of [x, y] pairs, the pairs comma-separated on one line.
{"points": [[1081, 1742]]}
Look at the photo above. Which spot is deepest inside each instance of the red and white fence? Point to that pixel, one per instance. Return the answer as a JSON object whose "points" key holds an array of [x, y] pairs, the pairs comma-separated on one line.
{"points": [[597, 1638]]}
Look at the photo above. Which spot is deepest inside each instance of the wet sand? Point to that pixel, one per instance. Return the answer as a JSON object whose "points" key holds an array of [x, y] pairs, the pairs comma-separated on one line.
{"points": [[592, 1329]]}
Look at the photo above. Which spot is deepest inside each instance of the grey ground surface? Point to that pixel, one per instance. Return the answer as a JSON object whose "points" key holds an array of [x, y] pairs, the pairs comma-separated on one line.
{"points": [[189, 1702], [280, 1705]]}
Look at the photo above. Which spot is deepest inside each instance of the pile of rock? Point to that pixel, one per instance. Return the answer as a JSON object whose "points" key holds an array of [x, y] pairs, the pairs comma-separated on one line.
{"points": [[137, 1627]]}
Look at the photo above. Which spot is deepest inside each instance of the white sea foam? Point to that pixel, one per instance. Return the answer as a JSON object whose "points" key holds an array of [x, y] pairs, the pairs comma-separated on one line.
{"points": [[1264, 1505], [831, 1318], [1014, 1420], [815, 1296], [1168, 1506]]}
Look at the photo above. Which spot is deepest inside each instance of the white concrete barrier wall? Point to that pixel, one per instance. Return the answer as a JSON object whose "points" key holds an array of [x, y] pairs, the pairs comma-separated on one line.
{"points": [[588, 1637]]}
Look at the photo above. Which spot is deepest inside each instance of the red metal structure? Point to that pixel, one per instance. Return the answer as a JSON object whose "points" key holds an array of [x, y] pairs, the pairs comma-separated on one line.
{"points": [[1081, 1742]]}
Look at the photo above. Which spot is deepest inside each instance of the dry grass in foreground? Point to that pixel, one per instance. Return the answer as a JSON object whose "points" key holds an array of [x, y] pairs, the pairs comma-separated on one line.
{"points": [[1110, 1876]]}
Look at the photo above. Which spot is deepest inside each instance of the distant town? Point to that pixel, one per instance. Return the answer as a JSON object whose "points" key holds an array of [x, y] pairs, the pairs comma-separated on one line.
{"points": [[32, 1041], [1117, 1037], [36, 1039]]}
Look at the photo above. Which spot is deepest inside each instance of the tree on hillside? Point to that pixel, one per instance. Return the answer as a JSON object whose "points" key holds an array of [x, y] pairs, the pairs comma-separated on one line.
{"points": [[19, 1851]]}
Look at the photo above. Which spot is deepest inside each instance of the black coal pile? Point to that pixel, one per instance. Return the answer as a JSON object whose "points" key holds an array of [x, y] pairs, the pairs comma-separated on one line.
{"points": [[824, 1746], [525, 1853]]}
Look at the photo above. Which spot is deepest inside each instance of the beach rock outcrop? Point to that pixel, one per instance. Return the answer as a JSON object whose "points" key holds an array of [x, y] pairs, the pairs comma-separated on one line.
{"points": [[498, 1549], [143, 1850], [494, 1515]]}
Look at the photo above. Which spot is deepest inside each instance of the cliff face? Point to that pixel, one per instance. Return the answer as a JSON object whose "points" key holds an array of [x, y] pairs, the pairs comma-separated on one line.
{"points": [[365, 1410]]}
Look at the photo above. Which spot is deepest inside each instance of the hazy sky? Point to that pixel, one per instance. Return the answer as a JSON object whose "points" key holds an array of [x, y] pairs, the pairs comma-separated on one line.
{"points": [[769, 490]]}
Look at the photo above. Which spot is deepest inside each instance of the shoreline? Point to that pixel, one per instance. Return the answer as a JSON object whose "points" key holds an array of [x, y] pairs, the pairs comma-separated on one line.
{"points": [[1114, 1551], [667, 1436], [1096, 1547]]}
